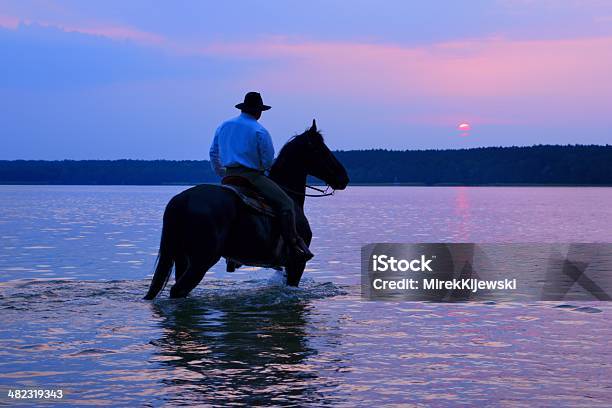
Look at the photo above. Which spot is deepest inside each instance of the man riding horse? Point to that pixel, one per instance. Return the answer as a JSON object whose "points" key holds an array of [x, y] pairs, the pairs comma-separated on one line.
{"points": [[208, 222], [242, 147]]}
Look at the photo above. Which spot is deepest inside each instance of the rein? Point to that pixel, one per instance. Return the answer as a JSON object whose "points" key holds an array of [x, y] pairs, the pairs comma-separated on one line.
{"points": [[324, 193]]}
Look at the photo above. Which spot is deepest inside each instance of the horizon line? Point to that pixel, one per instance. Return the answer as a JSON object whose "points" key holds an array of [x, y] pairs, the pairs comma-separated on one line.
{"points": [[343, 151]]}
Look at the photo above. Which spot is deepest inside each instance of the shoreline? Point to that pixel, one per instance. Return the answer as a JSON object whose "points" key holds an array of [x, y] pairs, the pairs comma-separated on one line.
{"points": [[323, 185]]}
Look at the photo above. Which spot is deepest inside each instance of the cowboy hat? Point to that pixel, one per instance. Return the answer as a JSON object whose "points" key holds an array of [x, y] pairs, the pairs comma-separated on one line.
{"points": [[253, 101]]}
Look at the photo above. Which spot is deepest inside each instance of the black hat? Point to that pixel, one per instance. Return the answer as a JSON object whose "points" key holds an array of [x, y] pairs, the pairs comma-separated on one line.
{"points": [[253, 101]]}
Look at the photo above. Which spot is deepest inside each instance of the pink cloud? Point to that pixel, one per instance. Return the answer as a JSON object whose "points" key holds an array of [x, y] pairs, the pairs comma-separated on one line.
{"points": [[483, 68], [487, 80], [114, 32], [530, 80], [453, 119], [119, 33], [9, 22]]}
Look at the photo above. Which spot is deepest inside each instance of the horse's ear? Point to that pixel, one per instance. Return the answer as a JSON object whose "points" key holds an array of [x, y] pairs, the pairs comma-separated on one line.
{"points": [[314, 126]]}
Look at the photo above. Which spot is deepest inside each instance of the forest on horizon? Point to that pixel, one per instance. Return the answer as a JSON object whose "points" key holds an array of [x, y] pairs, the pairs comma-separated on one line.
{"points": [[533, 165]]}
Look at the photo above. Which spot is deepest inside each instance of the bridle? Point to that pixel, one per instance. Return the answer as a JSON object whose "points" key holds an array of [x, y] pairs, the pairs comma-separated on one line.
{"points": [[324, 192]]}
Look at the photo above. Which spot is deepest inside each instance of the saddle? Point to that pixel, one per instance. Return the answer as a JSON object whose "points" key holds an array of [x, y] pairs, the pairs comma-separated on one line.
{"points": [[246, 192], [243, 188]]}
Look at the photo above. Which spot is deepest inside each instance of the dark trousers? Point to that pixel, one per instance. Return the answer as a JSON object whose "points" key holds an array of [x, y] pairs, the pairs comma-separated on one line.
{"points": [[275, 195]]}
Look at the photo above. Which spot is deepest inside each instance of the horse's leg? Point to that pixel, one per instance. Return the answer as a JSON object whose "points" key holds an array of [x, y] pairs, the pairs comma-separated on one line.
{"points": [[180, 266], [294, 270], [198, 266]]}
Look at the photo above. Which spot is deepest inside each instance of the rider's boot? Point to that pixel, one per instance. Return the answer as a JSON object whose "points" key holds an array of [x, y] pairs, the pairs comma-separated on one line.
{"points": [[296, 244]]}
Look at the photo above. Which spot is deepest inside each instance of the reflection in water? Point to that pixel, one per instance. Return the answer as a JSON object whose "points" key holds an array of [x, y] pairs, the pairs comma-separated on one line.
{"points": [[462, 211], [232, 353], [252, 343], [235, 341]]}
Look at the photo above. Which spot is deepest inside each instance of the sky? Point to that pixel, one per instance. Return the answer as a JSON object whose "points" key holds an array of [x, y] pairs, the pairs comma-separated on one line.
{"points": [[152, 80]]}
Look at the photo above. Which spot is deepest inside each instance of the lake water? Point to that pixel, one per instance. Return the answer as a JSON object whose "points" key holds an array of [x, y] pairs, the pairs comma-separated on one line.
{"points": [[76, 260]]}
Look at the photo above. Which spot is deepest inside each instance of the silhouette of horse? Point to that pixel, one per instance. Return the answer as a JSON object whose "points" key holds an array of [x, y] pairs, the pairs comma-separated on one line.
{"points": [[207, 222]]}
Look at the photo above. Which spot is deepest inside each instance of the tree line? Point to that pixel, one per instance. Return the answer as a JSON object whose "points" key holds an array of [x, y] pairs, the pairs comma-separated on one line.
{"points": [[535, 165]]}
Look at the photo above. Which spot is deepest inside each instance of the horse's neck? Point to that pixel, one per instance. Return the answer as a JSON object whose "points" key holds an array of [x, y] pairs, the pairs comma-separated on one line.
{"points": [[288, 173]]}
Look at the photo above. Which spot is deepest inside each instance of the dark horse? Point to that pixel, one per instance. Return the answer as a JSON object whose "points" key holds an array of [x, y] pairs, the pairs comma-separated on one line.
{"points": [[207, 222]]}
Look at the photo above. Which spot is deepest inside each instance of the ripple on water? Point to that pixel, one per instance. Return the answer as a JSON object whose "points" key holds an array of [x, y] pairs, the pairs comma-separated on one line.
{"points": [[28, 293], [112, 344], [256, 343], [259, 341], [583, 309]]}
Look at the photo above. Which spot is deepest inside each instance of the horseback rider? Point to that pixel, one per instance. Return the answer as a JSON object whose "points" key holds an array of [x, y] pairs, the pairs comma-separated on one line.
{"points": [[243, 147]]}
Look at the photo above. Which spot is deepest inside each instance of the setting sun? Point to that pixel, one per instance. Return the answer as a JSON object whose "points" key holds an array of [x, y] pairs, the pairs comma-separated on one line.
{"points": [[463, 126]]}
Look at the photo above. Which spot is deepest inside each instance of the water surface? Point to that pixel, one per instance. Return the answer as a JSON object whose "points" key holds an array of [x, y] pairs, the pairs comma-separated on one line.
{"points": [[75, 261]]}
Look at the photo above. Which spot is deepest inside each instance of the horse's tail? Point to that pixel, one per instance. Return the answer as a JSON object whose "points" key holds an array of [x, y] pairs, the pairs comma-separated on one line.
{"points": [[165, 257]]}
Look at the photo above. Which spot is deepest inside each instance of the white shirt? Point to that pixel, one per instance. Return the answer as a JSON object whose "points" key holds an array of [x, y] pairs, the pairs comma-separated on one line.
{"points": [[241, 141]]}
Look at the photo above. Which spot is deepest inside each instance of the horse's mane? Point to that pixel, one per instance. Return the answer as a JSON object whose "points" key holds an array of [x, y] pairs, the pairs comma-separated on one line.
{"points": [[293, 145], [299, 140]]}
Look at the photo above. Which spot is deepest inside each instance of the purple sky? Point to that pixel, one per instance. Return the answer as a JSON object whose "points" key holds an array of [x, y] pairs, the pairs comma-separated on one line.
{"points": [[118, 79]]}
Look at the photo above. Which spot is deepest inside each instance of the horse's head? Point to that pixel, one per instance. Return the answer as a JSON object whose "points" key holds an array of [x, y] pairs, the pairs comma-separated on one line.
{"points": [[307, 154], [320, 161]]}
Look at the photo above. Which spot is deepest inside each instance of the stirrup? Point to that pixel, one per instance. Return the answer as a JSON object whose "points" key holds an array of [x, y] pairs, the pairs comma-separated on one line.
{"points": [[302, 251]]}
